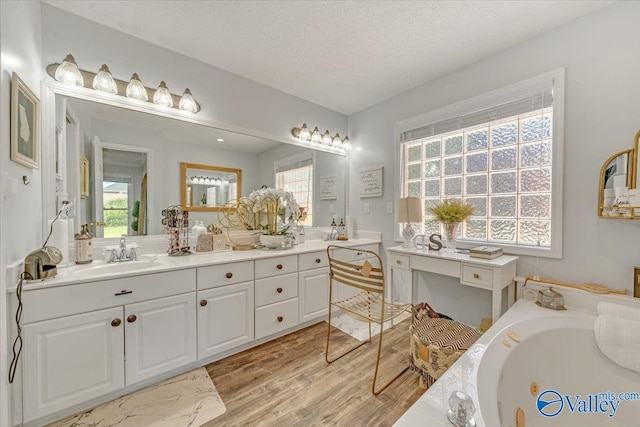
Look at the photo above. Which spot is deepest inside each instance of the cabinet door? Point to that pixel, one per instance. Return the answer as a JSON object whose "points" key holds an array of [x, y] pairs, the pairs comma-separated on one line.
{"points": [[313, 289], [225, 318], [71, 359], [160, 336]]}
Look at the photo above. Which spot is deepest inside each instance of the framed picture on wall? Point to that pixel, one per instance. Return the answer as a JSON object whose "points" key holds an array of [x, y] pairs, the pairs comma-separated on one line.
{"points": [[370, 182], [25, 138]]}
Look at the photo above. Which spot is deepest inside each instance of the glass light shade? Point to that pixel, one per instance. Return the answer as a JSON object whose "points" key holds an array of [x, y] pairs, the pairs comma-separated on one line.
{"points": [[315, 135], [326, 138], [136, 90], [103, 81], [187, 103], [68, 72], [346, 144], [163, 96], [304, 134], [337, 141]]}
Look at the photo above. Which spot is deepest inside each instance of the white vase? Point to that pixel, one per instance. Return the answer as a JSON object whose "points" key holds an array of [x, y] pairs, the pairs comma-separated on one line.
{"points": [[272, 241]]}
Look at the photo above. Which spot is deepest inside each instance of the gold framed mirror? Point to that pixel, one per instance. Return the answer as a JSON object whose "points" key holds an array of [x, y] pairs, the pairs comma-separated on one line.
{"points": [[617, 196], [207, 188]]}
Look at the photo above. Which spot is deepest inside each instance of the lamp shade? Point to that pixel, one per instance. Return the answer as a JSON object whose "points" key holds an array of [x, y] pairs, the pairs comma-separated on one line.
{"points": [[409, 209]]}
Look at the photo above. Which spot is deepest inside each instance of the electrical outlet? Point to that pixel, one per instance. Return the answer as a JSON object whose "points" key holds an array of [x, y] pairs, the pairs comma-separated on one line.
{"points": [[636, 282], [366, 207], [389, 208], [331, 208]]}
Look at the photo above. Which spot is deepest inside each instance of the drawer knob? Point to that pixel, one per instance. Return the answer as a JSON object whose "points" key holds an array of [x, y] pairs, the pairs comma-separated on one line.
{"points": [[229, 275], [318, 260], [280, 318], [476, 276], [279, 290], [398, 262], [279, 266], [132, 318], [359, 253], [203, 302], [116, 322]]}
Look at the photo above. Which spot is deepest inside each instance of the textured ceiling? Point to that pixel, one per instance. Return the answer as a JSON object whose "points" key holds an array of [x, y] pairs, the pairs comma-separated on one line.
{"points": [[344, 55]]}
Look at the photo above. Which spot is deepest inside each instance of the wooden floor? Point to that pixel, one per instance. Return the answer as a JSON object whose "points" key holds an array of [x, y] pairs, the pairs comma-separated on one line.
{"points": [[286, 382]]}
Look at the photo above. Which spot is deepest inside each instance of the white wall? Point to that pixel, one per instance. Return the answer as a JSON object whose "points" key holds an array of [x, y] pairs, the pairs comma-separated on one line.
{"points": [[601, 54], [20, 226]]}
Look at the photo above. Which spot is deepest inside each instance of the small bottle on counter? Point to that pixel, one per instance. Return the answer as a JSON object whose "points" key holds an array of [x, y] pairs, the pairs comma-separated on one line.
{"points": [[84, 245], [333, 235], [342, 231]]}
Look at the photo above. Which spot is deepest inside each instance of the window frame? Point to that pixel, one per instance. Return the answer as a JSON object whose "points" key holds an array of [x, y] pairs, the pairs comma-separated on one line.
{"points": [[554, 79], [306, 155]]}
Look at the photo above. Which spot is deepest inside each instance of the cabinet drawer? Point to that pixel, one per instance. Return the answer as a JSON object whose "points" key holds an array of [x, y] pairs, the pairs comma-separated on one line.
{"points": [[224, 274], [50, 303], [276, 266], [436, 265], [277, 288], [312, 260], [277, 317], [477, 276], [357, 254], [399, 261]]}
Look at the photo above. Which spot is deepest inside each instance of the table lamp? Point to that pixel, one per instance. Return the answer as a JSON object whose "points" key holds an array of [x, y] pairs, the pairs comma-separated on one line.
{"points": [[409, 211]]}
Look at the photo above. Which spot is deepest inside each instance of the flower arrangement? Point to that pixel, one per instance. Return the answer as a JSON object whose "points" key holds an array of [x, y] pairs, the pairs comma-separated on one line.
{"points": [[451, 210], [273, 204]]}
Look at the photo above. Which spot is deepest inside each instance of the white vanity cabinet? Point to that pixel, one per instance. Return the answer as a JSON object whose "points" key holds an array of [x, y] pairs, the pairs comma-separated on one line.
{"points": [[160, 336], [225, 307], [72, 359], [313, 286], [111, 334], [276, 295]]}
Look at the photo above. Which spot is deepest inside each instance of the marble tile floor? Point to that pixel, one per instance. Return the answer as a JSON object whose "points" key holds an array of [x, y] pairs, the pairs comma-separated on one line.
{"points": [[187, 400], [360, 330]]}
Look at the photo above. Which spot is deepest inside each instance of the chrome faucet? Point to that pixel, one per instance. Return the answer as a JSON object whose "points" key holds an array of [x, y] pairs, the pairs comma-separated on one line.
{"points": [[122, 254]]}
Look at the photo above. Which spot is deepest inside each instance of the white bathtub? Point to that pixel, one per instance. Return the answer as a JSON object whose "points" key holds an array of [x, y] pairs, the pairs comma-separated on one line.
{"points": [[557, 351]]}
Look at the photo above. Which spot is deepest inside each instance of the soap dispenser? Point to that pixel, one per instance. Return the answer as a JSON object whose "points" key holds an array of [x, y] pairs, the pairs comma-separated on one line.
{"points": [[333, 235], [84, 247], [342, 231]]}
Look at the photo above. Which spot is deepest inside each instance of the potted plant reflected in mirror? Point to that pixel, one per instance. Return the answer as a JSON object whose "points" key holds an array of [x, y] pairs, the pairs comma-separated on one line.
{"points": [[451, 213]]}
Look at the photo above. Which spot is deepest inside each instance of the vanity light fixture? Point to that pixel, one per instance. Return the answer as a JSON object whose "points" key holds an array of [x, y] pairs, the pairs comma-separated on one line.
{"points": [[315, 136], [325, 139], [346, 144], [187, 103], [220, 140], [136, 90], [68, 72], [337, 142], [163, 96], [103, 81]]}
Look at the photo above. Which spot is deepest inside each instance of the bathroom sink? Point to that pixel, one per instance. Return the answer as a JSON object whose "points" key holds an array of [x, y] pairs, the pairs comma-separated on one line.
{"points": [[100, 268]]}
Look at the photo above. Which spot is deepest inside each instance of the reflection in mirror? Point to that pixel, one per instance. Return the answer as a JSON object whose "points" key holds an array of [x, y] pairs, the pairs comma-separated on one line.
{"points": [[168, 142], [208, 188], [615, 176]]}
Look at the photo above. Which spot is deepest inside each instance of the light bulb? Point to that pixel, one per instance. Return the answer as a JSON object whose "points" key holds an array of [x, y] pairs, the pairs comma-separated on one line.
{"points": [[163, 96], [304, 134], [337, 141], [346, 144], [315, 135], [68, 72], [103, 81], [326, 138], [187, 103], [136, 90]]}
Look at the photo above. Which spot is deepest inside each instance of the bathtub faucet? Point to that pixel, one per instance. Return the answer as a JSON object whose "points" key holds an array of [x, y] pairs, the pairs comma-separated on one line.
{"points": [[461, 410]]}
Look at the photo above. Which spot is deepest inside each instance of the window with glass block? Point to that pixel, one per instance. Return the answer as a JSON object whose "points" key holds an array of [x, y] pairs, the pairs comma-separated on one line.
{"points": [[502, 167]]}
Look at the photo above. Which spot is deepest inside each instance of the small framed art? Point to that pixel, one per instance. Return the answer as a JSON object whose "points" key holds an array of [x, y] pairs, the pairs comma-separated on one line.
{"points": [[25, 137]]}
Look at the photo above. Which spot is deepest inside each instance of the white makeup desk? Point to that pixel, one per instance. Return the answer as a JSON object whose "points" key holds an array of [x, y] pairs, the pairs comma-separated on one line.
{"points": [[491, 274]]}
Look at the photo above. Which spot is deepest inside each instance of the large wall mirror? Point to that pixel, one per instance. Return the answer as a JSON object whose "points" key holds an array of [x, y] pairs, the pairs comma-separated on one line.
{"points": [[121, 166]]}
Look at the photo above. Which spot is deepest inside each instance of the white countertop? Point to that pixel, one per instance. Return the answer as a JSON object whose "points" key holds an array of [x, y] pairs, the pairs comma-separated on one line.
{"points": [[156, 263], [454, 256]]}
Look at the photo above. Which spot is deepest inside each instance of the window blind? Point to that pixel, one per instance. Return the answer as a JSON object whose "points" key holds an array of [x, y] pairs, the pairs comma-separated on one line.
{"points": [[294, 162], [522, 105]]}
